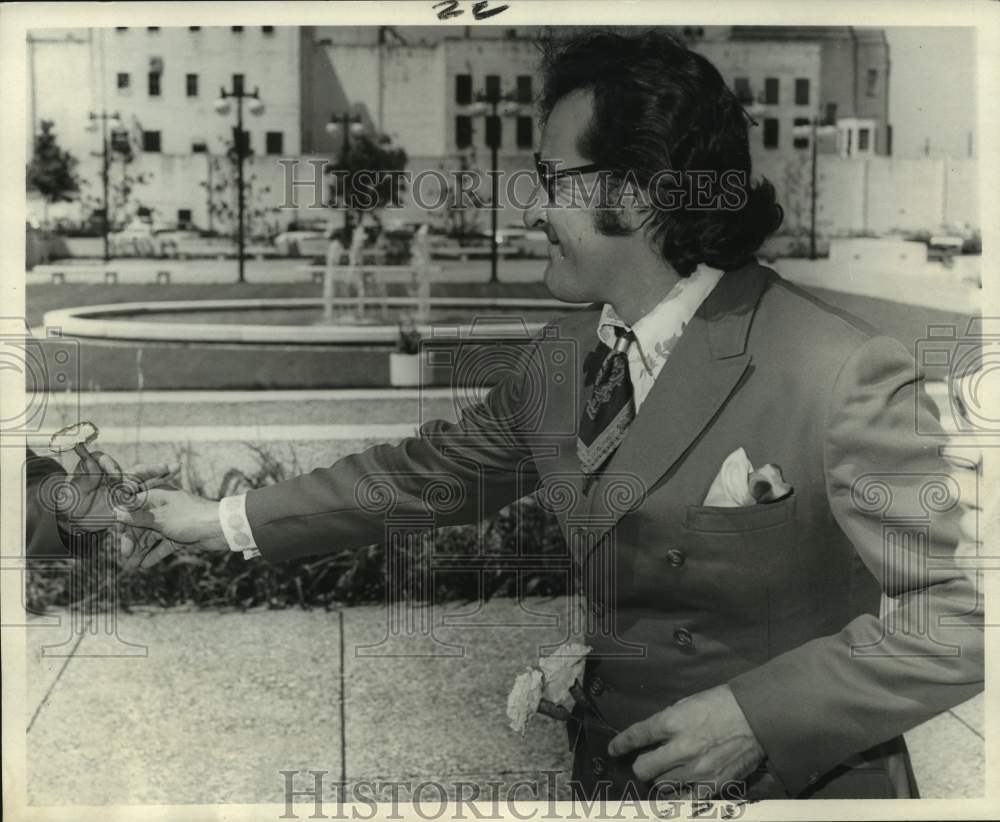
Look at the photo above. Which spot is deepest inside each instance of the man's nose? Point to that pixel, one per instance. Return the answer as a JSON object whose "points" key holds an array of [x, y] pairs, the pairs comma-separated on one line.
{"points": [[534, 214]]}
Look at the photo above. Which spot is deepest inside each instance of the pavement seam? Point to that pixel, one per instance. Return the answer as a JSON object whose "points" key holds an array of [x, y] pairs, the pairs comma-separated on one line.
{"points": [[343, 705], [967, 725], [52, 686]]}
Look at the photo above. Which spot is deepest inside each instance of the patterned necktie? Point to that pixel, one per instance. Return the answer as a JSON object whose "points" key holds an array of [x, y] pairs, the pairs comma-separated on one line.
{"points": [[609, 410]]}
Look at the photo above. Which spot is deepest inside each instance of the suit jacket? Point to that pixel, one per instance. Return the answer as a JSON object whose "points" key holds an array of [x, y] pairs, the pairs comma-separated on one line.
{"points": [[781, 601], [43, 536]]}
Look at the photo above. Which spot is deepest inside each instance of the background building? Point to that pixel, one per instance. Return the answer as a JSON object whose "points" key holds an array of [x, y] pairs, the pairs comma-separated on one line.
{"points": [[415, 84]]}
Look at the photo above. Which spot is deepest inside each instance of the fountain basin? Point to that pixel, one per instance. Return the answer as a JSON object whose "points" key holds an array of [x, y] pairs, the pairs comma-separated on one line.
{"points": [[210, 345], [299, 320]]}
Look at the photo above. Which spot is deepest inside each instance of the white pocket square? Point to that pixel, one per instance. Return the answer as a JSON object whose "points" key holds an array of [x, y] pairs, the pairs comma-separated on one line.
{"points": [[738, 484]]}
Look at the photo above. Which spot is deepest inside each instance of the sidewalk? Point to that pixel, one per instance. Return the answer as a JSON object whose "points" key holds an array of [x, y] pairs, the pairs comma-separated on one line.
{"points": [[222, 702]]}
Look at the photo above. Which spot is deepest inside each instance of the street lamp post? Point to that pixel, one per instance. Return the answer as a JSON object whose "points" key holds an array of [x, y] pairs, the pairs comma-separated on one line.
{"points": [[816, 126], [256, 107], [347, 124], [488, 103], [104, 116]]}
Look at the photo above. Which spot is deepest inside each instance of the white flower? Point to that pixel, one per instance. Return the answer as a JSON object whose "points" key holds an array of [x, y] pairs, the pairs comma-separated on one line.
{"points": [[523, 699]]}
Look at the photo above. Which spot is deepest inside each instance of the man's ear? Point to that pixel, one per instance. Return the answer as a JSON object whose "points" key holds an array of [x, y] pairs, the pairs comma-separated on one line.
{"points": [[634, 204]]}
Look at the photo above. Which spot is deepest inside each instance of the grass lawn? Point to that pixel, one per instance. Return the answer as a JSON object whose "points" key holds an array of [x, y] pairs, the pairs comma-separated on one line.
{"points": [[44, 297]]}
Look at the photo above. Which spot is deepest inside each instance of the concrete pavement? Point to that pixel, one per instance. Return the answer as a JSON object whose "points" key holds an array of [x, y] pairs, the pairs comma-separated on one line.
{"points": [[221, 703]]}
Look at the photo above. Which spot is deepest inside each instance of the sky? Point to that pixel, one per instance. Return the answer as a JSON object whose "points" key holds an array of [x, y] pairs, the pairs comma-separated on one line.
{"points": [[932, 95]]}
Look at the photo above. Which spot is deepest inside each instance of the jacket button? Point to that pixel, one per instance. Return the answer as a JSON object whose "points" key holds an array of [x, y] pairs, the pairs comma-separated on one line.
{"points": [[675, 558], [597, 686], [683, 638], [598, 766]]}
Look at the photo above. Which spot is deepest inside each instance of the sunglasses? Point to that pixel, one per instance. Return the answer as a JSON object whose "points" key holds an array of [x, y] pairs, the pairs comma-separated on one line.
{"points": [[547, 176]]}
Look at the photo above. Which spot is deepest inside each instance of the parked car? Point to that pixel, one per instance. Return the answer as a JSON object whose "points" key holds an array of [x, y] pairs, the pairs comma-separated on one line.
{"points": [[301, 243], [139, 238], [527, 242]]}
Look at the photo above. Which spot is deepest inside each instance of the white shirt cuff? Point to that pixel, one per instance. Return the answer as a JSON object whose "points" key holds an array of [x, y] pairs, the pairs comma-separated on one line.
{"points": [[236, 526]]}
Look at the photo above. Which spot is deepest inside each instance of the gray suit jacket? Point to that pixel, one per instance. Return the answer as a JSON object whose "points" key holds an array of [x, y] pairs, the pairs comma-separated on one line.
{"points": [[779, 600]]}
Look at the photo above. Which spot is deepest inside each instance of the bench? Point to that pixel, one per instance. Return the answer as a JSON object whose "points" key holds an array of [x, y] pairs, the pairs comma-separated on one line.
{"points": [[317, 272], [110, 276]]}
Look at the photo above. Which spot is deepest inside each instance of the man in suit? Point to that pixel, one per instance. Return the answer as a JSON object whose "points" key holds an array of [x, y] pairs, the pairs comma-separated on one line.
{"points": [[730, 643]]}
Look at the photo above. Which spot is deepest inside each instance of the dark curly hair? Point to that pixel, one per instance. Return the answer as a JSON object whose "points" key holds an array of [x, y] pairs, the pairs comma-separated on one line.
{"points": [[659, 106]]}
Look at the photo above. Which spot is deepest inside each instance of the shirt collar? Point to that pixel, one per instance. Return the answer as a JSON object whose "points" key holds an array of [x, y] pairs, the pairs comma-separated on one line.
{"points": [[655, 331]]}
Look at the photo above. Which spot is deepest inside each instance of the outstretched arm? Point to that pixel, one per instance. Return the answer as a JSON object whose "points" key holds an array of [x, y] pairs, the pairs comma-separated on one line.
{"points": [[450, 473]]}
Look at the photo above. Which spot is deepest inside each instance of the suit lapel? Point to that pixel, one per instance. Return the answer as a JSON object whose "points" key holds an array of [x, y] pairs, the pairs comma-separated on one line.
{"points": [[701, 373]]}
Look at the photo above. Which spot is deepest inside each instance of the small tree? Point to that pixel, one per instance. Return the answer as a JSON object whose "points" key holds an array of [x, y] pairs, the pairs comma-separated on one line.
{"points": [[123, 177], [222, 172], [378, 157], [52, 170]]}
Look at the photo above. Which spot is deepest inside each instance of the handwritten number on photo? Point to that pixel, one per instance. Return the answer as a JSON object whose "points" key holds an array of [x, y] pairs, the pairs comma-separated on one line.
{"points": [[480, 9], [451, 9], [480, 12]]}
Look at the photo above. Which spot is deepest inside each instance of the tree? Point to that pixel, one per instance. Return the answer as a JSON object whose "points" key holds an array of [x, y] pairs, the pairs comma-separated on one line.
{"points": [[376, 190], [123, 176], [52, 170], [221, 188]]}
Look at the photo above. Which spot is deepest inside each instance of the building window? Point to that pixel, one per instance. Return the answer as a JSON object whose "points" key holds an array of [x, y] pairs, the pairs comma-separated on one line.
{"points": [[863, 137], [154, 84], [741, 88], [525, 132], [243, 146], [192, 85], [151, 141], [771, 91], [871, 83], [492, 86], [238, 29], [524, 94], [199, 148], [194, 28], [123, 80], [275, 142], [183, 216], [267, 29], [463, 131], [800, 140], [802, 91], [238, 83], [770, 132], [463, 89], [831, 114], [494, 131]]}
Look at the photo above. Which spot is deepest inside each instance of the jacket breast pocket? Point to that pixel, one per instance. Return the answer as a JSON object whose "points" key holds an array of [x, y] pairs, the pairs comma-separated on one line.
{"points": [[708, 519], [750, 555]]}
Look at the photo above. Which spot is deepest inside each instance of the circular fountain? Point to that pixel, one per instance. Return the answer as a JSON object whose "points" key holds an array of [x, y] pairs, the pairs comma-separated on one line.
{"points": [[285, 343]]}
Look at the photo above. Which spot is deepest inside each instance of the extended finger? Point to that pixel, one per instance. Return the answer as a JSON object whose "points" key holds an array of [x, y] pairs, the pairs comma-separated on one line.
{"points": [[655, 728], [139, 518], [147, 471], [160, 551], [671, 761]]}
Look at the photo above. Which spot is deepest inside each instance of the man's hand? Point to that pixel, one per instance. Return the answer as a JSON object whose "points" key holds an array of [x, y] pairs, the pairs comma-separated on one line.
{"points": [[707, 740], [88, 500], [179, 516]]}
